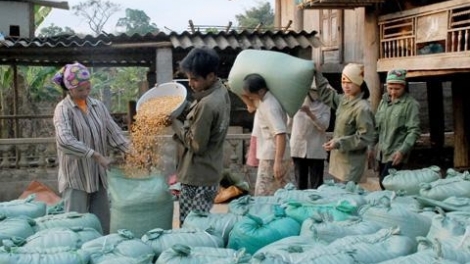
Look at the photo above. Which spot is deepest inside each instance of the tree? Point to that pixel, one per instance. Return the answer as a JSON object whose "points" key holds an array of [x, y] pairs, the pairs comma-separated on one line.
{"points": [[137, 22], [263, 14], [53, 30], [96, 13], [40, 14]]}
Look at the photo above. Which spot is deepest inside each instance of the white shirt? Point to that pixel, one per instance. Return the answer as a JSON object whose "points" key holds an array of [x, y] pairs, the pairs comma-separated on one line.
{"points": [[308, 135], [270, 120]]}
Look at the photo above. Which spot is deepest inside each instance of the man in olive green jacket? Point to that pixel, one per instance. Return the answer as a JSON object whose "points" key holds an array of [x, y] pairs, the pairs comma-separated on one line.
{"points": [[397, 123], [202, 134]]}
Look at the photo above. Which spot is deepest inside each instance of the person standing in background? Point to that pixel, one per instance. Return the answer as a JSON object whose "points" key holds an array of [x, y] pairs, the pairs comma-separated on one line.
{"points": [[202, 134], [272, 144], [308, 135], [354, 128], [397, 119], [251, 106], [84, 130]]}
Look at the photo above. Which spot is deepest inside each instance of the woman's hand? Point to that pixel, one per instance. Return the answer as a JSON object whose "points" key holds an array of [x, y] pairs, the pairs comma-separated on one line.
{"points": [[330, 145], [279, 170], [397, 158], [103, 161]]}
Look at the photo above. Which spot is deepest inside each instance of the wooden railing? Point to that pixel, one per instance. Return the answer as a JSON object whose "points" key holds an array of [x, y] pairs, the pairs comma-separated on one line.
{"points": [[27, 159], [458, 40], [41, 153], [432, 29]]}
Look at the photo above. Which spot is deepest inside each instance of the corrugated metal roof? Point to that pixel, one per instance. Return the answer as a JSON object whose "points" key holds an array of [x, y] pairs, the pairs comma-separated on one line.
{"points": [[335, 4], [50, 3], [221, 40], [140, 50]]}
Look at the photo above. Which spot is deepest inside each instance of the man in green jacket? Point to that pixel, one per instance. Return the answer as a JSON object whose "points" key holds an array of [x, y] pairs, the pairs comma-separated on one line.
{"points": [[203, 133], [397, 124]]}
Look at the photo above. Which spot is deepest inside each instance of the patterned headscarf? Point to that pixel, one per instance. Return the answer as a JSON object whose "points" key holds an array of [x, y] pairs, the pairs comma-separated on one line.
{"points": [[72, 76]]}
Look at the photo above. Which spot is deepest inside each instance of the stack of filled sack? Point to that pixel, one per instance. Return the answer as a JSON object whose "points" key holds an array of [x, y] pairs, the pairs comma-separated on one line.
{"points": [[421, 218]]}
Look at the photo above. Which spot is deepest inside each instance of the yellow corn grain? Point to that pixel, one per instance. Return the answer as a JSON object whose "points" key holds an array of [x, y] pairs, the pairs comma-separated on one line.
{"points": [[144, 135]]}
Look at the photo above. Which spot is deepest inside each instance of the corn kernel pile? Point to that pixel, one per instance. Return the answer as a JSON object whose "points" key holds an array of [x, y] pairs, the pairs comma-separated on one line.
{"points": [[149, 124]]}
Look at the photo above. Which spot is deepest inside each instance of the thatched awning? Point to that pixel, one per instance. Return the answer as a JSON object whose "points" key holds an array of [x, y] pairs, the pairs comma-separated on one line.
{"points": [[335, 4]]}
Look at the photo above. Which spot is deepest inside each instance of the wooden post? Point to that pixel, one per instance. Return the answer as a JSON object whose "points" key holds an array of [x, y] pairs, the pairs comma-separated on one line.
{"points": [[298, 19], [151, 79], [258, 27], [16, 126], [227, 29], [461, 105], [436, 113], [131, 110], [286, 28], [277, 14], [191, 26], [371, 55]]}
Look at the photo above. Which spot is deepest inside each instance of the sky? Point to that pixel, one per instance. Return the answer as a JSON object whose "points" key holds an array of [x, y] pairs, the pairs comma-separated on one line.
{"points": [[168, 15]]}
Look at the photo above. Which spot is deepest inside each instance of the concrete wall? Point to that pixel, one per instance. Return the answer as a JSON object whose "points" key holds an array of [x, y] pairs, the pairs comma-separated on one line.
{"points": [[14, 13]]}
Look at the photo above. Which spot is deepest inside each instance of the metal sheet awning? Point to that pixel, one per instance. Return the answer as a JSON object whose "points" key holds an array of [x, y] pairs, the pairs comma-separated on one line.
{"points": [[140, 50], [50, 3], [335, 4]]}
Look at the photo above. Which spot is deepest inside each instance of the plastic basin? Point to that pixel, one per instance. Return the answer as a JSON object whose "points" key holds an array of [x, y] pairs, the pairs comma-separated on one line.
{"points": [[166, 89]]}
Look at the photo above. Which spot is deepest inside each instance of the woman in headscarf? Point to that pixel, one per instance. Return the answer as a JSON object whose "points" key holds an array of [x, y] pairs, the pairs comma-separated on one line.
{"points": [[84, 132], [354, 128]]}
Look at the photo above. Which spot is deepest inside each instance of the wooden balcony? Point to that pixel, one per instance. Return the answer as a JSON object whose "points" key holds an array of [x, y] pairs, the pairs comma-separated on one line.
{"points": [[430, 38]]}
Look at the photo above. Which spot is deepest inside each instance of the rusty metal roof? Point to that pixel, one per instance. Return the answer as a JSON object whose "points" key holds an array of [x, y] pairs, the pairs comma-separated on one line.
{"points": [[335, 4], [50, 3], [139, 50]]}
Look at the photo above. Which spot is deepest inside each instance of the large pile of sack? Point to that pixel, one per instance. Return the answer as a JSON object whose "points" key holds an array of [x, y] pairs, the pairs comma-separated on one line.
{"points": [[413, 221]]}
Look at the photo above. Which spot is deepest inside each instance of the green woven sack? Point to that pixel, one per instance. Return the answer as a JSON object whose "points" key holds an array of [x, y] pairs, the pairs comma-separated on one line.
{"points": [[220, 223], [289, 78], [16, 227], [120, 244], [23, 207], [139, 204], [57, 255], [253, 233], [182, 254], [69, 220], [73, 237]]}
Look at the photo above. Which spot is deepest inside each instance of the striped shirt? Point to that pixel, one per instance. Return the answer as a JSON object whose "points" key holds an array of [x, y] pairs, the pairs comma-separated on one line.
{"points": [[78, 136]]}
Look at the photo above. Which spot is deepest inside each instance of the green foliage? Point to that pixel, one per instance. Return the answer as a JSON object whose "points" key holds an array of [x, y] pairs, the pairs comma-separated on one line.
{"points": [[53, 30], [262, 14], [212, 30], [120, 83], [137, 22], [40, 14], [96, 13], [39, 85], [6, 77], [125, 86]]}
